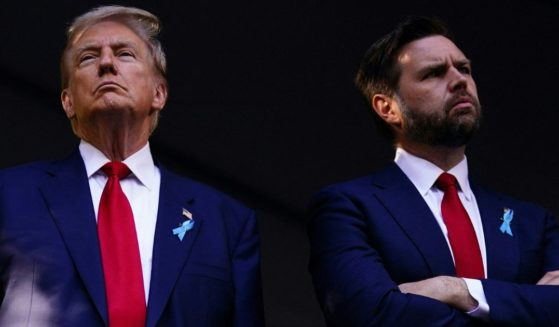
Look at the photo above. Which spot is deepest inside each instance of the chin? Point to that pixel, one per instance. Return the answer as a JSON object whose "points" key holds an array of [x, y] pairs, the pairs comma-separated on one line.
{"points": [[466, 116], [112, 103]]}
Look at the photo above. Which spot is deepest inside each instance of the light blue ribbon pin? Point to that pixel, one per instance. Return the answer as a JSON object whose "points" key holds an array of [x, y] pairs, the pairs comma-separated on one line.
{"points": [[185, 226], [507, 218]]}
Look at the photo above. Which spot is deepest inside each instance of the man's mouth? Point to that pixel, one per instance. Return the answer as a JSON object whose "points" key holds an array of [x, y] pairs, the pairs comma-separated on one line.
{"points": [[462, 104], [108, 85]]}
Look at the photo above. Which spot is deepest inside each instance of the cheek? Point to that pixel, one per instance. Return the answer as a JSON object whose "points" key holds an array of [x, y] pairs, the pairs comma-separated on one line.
{"points": [[81, 82], [136, 78], [422, 96], [423, 100]]}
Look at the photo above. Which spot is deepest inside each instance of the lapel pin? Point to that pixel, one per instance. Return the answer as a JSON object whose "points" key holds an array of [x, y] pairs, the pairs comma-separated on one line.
{"points": [[187, 214], [506, 219], [185, 226]]}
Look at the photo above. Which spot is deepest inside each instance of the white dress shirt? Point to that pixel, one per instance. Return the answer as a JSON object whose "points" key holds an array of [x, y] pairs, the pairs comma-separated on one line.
{"points": [[423, 174], [141, 188]]}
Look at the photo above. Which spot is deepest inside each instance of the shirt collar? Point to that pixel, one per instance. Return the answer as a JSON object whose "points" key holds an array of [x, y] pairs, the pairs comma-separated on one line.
{"points": [[140, 163], [423, 173]]}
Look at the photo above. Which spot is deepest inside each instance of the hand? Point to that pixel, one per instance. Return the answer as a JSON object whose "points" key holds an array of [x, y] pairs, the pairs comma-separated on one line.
{"points": [[550, 278], [450, 290]]}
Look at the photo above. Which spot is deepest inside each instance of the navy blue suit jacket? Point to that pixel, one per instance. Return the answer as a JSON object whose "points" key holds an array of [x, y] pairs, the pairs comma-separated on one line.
{"points": [[371, 234], [50, 264]]}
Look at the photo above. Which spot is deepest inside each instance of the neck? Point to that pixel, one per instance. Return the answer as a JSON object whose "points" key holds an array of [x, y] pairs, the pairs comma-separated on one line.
{"points": [[115, 139], [442, 156]]}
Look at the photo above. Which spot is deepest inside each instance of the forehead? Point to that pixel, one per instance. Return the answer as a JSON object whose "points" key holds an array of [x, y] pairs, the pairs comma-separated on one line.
{"points": [[429, 50], [107, 33]]}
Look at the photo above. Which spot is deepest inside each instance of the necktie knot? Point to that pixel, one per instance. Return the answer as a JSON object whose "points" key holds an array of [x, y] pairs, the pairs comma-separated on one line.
{"points": [[446, 181], [116, 168]]}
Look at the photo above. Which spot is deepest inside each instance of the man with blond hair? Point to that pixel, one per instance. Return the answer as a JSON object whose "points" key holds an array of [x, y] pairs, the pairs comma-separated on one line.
{"points": [[107, 237]]}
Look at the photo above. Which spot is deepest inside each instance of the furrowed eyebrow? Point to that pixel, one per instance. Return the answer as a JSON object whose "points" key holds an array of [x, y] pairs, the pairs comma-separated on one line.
{"points": [[441, 66], [97, 46], [433, 67], [462, 62]]}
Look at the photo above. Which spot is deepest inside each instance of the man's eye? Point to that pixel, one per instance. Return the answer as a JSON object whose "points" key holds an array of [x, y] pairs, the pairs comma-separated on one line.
{"points": [[432, 73], [465, 70], [125, 54], [86, 57], [429, 75]]}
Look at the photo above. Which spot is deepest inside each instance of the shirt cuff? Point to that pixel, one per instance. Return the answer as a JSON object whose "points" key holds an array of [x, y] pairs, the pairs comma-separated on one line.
{"points": [[475, 288]]}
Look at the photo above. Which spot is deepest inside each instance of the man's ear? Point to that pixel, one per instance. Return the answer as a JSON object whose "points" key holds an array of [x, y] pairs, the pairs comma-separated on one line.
{"points": [[67, 103], [159, 96], [387, 108]]}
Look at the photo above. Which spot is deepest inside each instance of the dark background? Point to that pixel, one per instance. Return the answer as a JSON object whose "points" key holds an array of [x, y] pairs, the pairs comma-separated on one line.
{"points": [[262, 105]]}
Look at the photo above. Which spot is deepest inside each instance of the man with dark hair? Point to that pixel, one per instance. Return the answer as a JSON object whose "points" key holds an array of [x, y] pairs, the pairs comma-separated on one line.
{"points": [[107, 237], [417, 243]]}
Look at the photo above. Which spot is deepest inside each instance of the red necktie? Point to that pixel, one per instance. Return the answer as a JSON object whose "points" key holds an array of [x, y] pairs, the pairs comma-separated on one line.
{"points": [[120, 254], [461, 234]]}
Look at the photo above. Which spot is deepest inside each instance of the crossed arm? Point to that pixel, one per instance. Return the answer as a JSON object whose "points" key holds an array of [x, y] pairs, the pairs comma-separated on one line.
{"points": [[447, 289], [510, 303], [454, 292], [354, 286]]}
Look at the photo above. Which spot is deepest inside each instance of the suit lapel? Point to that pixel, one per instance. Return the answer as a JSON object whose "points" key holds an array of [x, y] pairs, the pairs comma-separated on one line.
{"points": [[410, 211], [501, 249], [169, 252], [68, 198]]}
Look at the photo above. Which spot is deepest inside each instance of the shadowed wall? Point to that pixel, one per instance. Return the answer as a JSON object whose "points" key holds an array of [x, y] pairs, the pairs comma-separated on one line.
{"points": [[262, 105]]}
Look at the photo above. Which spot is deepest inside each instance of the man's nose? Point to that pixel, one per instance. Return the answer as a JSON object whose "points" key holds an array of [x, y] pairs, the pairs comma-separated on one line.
{"points": [[107, 63], [457, 79]]}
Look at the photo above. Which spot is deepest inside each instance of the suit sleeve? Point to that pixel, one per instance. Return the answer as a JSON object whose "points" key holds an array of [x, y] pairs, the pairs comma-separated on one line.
{"points": [[246, 275], [514, 304], [351, 283]]}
